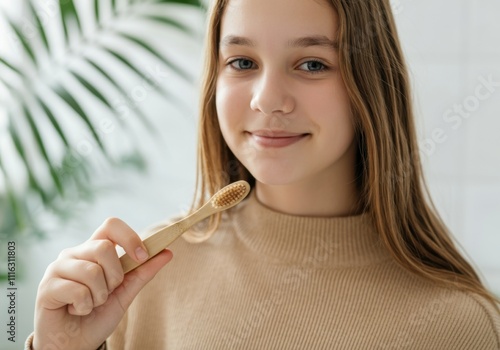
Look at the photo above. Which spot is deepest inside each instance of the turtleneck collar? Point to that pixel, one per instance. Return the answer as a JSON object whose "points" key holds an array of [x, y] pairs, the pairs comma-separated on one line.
{"points": [[309, 241]]}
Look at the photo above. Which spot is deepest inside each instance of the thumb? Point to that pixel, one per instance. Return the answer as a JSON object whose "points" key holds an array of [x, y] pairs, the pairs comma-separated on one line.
{"points": [[136, 279]]}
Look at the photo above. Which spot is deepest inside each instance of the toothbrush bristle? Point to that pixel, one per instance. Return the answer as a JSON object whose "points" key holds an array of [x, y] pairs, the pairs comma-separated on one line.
{"points": [[229, 195]]}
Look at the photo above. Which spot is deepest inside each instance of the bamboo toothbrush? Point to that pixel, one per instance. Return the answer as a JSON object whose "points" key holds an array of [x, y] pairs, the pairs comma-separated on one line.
{"points": [[225, 198]]}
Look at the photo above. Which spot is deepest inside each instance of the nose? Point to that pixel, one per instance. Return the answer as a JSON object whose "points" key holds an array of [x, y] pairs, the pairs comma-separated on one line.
{"points": [[271, 96]]}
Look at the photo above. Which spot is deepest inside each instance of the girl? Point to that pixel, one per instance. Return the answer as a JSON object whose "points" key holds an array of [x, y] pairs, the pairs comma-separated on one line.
{"points": [[337, 245]]}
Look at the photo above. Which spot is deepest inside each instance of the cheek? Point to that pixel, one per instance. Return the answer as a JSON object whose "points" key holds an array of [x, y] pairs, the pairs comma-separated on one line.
{"points": [[326, 103], [223, 107], [228, 104], [330, 111], [230, 108]]}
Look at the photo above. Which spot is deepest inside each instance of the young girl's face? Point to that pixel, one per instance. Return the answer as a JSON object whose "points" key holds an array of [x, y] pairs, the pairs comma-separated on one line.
{"points": [[282, 106]]}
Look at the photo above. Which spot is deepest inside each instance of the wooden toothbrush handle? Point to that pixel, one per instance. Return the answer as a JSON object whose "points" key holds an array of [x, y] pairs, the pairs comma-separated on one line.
{"points": [[155, 244], [162, 238]]}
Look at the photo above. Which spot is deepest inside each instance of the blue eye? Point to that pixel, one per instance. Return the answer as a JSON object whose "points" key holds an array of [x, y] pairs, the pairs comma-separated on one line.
{"points": [[314, 66], [242, 64]]}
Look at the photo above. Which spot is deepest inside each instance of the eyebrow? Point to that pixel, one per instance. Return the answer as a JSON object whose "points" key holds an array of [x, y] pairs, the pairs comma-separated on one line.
{"points": [[306, 41], [232, 40], [315, 40]]}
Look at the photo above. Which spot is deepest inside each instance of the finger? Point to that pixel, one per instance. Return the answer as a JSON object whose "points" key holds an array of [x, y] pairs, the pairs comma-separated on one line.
{"points": [[60, 292], [86, 273], [120, 233], [135, 280], [101, 252]]}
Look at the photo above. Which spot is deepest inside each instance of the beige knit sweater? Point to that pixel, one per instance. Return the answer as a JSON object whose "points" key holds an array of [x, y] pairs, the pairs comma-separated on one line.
{"points": [[268, 280]]}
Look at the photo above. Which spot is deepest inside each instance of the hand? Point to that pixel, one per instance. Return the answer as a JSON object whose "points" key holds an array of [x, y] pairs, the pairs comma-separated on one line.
{"points": [[84, 294]]}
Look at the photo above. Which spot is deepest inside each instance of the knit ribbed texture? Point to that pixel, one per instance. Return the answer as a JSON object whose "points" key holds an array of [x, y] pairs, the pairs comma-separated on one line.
{"points": [[268, 280]]}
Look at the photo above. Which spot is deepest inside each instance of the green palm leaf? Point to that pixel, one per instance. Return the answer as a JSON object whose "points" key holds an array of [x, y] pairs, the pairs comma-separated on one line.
{"points": [[121, 90], [10, 66], [129, 64], [11, 205], [30, 105], [41, 31], [68, 14], [95, 91], [183, 2], [21, 151], [157, 54], [28, 50], [97, 11], [113, 6], [170, 22], [41, 146], [54, 122], [73, 103]]}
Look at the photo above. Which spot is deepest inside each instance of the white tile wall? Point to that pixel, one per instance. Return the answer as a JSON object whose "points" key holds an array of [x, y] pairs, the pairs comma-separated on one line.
{"points": [[483, 30], [431, 31], [438, 142], [450, 45], [483, 125]]}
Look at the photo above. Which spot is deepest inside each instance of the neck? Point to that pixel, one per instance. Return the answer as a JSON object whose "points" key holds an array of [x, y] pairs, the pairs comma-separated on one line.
{"points": [[310, 198]]}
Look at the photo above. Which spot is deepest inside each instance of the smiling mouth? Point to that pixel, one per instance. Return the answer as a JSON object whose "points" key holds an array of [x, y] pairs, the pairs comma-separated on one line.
{"points": [[276, 139]]}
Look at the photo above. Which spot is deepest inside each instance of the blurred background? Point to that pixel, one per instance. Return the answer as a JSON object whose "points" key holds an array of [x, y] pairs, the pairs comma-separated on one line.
{"points": [[98, 114]]}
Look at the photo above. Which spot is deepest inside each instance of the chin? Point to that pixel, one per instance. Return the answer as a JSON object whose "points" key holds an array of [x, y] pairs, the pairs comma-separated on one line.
{"points": [[274, 176]]}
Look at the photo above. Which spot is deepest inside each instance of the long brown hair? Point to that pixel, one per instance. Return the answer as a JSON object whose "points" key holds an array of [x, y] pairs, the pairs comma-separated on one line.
{"points": [[388, 169]]}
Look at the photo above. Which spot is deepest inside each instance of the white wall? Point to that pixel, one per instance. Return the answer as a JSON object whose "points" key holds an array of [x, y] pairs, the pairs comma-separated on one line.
{"points": [[450, 45]]}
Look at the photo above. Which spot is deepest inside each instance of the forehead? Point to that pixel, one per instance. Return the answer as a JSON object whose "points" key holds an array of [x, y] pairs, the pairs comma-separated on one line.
{"points": [[279, 18]]}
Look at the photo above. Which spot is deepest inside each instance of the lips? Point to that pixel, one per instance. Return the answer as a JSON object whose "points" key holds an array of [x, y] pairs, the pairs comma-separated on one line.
{"points": [[275, 133], [275, 139]]}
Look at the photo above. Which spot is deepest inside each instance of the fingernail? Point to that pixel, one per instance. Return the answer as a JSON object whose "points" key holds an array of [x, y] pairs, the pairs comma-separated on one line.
{"points": [[141, 254]]}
